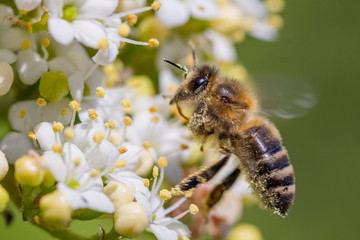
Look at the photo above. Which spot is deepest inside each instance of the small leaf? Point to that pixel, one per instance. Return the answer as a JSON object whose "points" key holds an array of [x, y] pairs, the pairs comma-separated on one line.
{"points": [[54, 85], [86, 214]]}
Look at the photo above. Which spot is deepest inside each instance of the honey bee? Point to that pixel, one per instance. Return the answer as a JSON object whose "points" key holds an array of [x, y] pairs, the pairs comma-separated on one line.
{"points": [[224, 108]]}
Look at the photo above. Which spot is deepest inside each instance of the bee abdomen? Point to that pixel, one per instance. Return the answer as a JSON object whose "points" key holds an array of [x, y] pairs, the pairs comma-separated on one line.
{"points": [[270, 170]]}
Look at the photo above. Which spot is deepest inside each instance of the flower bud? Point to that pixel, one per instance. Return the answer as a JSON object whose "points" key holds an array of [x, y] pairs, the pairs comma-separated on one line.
{"points": [[28, 171], [4, 165], [4, 198], [56, 210], [130, 219], [6, 77], [245, 231], [145, 164], [119, 193]]}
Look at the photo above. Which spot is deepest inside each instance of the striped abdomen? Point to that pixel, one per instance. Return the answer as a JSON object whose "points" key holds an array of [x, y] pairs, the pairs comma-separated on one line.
{"points": [[270, 171]]}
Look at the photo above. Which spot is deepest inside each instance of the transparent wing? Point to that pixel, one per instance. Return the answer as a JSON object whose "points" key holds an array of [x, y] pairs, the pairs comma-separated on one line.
{"points": [[283, 96]]}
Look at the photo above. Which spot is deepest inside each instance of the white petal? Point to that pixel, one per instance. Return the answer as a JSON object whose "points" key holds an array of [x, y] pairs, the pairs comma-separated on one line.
{"points": [[222, 48], [6, 77], [264, 31], [76, 85], [7, 56], [52, 112], [27, 5], [30, 66], [255, 8], [45, 135], [98, 201], [13, 38], [98, 8], [180, 228], [162, 233], [203, 9], [108, 56], [56, 165], [61, 64], [89, 32], [61, 30], [173, 13], [15, 145], [143, 200], [23, 125], [70, 153], [55, 7], [166, 80], [76, 200]]}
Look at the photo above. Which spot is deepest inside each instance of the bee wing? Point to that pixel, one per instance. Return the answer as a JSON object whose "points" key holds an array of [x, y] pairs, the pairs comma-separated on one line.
{"points": [[284, 96]]}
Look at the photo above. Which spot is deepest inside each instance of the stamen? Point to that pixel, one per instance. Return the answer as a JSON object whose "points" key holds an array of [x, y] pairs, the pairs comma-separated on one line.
{"points": [[69, 133], [94, 172], [120, 163], [153, 109], [165, 194], [76, 107], [103, 44], [100, 91], [64, 112], [156, 5], [26, 44], [146, 145], [162, 162], [123, 30], [127, 121], [131, 19], [122, 150], [126, 103], [41, 102], [31, 135], [92, 114], [146, 182], [110, 124], [153, 42], [77, 161], [193, 209], [174, 206], [57, 127], [98, 137], [45, 42], [56, 148], [22, 114], [155, 119], [155, 172]]}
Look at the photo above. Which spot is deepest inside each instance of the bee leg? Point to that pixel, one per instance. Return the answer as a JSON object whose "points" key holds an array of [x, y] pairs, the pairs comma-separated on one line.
{"points": [[218, 191], [188, 184]]}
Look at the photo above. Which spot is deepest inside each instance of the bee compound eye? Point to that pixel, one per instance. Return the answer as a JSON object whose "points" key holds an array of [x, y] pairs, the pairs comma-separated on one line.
{"points": [[198, 82]]}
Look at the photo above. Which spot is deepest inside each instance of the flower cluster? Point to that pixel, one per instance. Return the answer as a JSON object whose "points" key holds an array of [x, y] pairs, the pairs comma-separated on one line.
{"points": [[89, 129]]}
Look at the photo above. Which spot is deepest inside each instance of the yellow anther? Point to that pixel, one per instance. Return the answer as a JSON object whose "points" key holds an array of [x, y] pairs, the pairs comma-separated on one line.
{"points": [[64, 112], [103, 44], [193, 209], [155, 172], [123, 30], [92, 114], [26, 44], [146, 145], [136, 82], [184, 147], [45, 42], [98, 137], [276, 21], [162, 162], [156, 5], [41, 102], [126, 103], [75, 105], [153, 109], [56, 148], [122, 150], [77, 161], [146, 182], [94, 172], [131, 19], [120, 163], [153, 42], [69, 133], [127, 121], [31, 135], [275, 5], [22, 114], [172, 87], [100, 91], [57, 126], [155, 119], [201, 8], [165, 194], [29, 27], [110, 124]]}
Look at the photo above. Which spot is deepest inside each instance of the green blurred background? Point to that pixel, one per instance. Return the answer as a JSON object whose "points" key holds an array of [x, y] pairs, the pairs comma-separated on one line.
{"points": [[320, 43]]}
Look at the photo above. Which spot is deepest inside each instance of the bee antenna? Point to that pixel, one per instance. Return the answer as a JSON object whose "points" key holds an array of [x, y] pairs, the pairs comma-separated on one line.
{"points": [[182, 68], [191, 43]]}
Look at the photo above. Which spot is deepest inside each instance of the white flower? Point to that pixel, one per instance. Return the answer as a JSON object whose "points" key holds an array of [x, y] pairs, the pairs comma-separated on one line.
{"points": [[78, 19], [174, 13], [76, 180], [27, 5]]}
